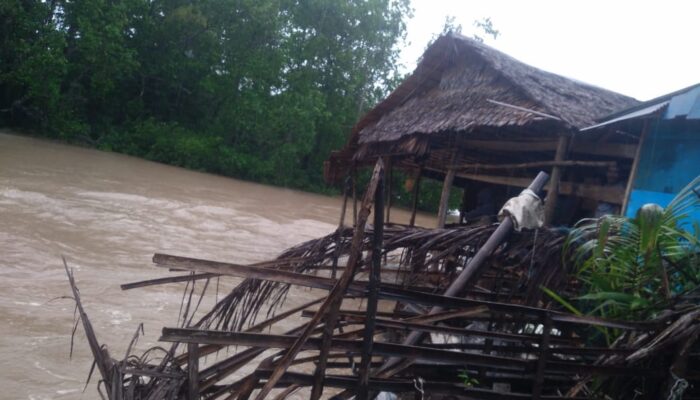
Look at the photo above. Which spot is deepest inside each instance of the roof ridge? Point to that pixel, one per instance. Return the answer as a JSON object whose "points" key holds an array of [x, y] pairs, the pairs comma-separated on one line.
{"points": [[480, 48]]}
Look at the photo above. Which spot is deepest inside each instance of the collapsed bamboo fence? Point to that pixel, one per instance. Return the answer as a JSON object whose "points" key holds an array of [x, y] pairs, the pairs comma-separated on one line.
{"points": [[468, 321]]}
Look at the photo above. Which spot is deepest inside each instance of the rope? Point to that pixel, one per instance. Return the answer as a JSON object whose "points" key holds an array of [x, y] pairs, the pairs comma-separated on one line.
{"points": [[418, 384], [678, 388]]}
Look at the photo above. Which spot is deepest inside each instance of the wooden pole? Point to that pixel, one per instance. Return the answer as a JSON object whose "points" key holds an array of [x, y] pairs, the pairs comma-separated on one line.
{"points": [[354, 197], [542, 359], [341, 224], [635, 167], [193, 371], [373, 289], [389, 167], [445, 197], [416, 190], [346, 190], [550, 203], [463, 205]]}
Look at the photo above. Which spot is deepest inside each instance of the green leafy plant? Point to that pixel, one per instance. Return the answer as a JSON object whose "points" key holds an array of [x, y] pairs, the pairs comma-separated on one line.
{"points": [[466, 379], [631, 268]]}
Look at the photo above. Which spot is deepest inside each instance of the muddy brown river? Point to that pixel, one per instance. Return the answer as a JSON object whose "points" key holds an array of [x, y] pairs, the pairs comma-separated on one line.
{"points": [[107, 214]]}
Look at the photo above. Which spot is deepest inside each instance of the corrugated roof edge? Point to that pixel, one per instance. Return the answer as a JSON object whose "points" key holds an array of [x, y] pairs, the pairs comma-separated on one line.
{"points": [[648, 103]]}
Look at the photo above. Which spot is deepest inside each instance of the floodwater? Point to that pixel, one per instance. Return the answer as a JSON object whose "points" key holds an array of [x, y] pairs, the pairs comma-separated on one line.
{"points": [[107, 214]]}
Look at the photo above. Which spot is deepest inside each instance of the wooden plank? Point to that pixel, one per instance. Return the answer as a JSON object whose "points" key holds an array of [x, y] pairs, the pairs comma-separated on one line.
{"points": [[242, 271], [193, 371], [610, 194], [170, 279], [550, 203]]}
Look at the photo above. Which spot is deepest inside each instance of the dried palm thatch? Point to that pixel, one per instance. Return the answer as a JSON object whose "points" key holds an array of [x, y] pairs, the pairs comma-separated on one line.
{"points": [[465, 88], [497, 337]]}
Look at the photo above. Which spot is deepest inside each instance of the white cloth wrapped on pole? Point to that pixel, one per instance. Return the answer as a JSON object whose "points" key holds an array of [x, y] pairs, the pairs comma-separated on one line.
{"points": [[526, 211]]}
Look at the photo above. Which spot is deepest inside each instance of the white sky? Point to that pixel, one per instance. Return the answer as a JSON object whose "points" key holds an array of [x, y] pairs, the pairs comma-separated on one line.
{"points": [[639, 48]]}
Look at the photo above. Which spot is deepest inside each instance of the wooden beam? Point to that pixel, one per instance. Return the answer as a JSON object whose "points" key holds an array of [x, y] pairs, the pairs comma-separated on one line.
{"points": [[537, 164], [610, 194], [550, 204], [616, 150], [635, 167]]}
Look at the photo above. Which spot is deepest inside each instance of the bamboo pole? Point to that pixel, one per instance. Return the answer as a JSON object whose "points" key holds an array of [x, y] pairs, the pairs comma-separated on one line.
{"points": [[550, 203], [635, 167]]}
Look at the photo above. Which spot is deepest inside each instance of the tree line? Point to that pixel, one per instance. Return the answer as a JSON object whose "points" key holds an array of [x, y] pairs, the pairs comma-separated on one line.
{"points": [[254, 89]]}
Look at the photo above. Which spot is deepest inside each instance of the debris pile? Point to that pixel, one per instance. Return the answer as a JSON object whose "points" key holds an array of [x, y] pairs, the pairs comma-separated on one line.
{"points": [[452, 313]]}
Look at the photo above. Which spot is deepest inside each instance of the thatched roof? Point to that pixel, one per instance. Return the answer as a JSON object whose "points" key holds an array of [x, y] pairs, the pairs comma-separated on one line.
{"points": [[459, 84]]}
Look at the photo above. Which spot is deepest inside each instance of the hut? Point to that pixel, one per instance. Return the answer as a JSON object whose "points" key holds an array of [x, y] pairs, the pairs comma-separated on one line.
{"points": [[472, 116], [667, 130]]}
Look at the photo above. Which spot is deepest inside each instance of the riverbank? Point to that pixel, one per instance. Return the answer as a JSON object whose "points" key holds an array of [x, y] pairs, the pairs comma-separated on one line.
{"points": [[107, 214]]}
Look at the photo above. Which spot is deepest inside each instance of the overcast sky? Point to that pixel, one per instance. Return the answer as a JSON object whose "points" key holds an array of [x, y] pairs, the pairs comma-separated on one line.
{"points": [[639, 48]]}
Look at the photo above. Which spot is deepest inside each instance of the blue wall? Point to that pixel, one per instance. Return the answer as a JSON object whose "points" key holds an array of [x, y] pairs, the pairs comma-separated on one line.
{"points": [[669, 160]]}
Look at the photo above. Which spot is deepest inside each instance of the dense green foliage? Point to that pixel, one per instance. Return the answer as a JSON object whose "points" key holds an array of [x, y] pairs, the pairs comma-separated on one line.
{"points": [[256, 89], [633, 268]]}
